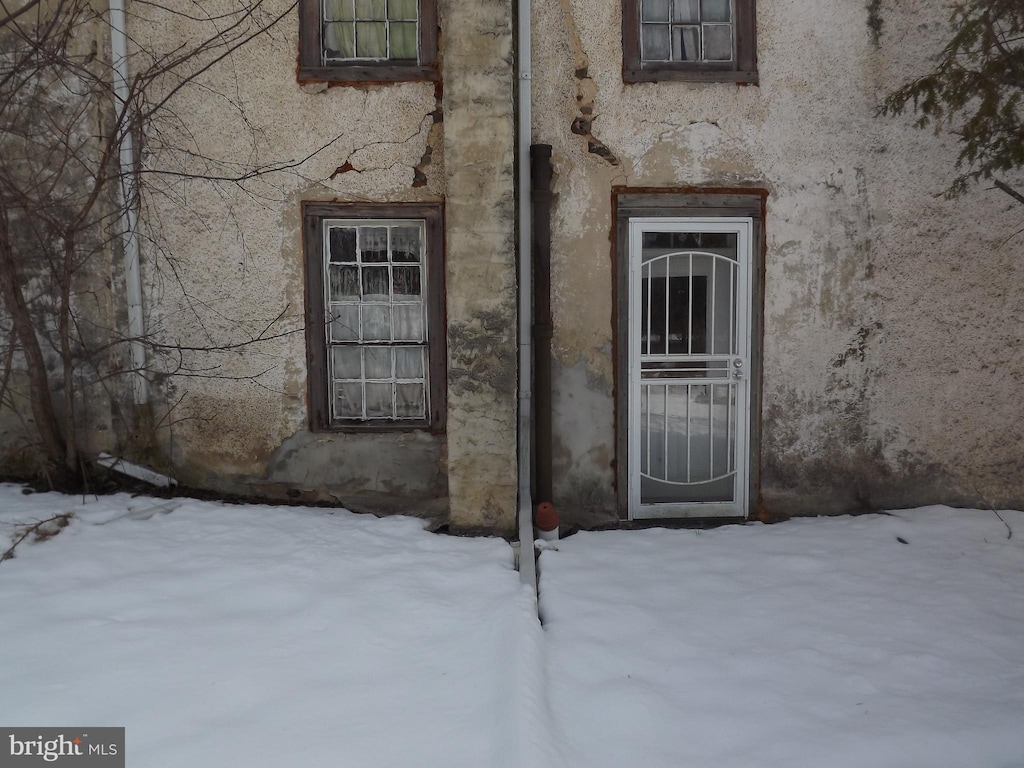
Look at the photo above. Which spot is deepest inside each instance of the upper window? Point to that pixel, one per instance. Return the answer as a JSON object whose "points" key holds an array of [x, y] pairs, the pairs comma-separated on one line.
{"points": [[367, 40], [374, 315], [698, 40]]}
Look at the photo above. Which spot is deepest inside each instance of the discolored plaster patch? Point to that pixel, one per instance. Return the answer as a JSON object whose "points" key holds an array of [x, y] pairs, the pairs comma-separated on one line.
{"points": [[583, 437], [480, 263], [875, 22], [481, 354]]}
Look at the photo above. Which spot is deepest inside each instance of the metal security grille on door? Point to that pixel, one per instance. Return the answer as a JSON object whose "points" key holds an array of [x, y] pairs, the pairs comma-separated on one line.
{"points": [[689, 356]]}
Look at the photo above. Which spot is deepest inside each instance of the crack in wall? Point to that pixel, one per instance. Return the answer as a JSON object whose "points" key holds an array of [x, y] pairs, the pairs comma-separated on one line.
{"points": [[419, 176], [586, 91], [434, 117]]}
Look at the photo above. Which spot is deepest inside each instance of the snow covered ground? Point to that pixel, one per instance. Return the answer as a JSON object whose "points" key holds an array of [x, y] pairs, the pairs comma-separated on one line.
{"points": [[864, 642], [224, 635]]}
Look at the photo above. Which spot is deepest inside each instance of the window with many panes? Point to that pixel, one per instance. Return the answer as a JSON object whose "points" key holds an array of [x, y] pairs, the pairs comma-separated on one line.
{"points": [[374, 315], [699, 40], [367, 40]]}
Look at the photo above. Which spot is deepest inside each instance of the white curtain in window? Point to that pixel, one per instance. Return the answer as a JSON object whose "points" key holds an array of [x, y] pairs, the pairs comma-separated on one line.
{"points": [[407, 322]]}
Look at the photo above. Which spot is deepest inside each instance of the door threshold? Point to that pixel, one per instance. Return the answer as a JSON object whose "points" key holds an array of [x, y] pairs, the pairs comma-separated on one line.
{"points": [[694, 523]]}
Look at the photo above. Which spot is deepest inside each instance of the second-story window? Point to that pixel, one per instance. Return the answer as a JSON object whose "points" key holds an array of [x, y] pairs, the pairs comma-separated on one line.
{"points": [[696, 40], [367, 40]]}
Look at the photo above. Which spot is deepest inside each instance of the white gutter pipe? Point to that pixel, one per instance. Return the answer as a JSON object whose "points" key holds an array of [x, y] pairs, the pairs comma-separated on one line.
{"points": [[129, 216], [527, 563]]}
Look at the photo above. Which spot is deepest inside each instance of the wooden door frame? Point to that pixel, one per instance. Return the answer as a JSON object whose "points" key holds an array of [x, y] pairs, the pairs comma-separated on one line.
{"points": [[689, 202]]}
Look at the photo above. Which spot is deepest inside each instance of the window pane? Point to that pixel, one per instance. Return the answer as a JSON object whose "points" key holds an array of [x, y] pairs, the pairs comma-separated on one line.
{"points": [[344, 282], [405, 244], [348, 400], [378, 362], [686, 44], [401, 9], [409, 362], [409, 401], [346, 362], [654, 10], [408, 322], [715, 10], [375, 284], [371, 40], [339, 41], [338, 9], [655, 42], [376, 322], [718, 42], [686, 11], [343, 244], [378, 401], [404, 44], [373, 243], [406, 283], [344, 322], [372, 10]]}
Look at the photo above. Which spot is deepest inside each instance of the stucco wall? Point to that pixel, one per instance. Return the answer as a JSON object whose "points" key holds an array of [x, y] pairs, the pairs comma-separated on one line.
{"points": [[892, 327], [892, 353], [237, 257], [52, 139]]}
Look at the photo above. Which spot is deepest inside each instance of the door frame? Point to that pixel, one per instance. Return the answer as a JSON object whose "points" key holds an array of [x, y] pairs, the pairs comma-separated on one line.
{"points": [[742, 227], [645, 203]]}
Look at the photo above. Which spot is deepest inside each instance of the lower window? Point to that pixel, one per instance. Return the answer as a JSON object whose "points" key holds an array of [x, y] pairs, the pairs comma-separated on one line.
{"points": [[375, 314]]}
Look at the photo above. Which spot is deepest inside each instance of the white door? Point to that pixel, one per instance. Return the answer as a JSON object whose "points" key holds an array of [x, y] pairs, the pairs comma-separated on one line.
{"points": [[689, 358]]}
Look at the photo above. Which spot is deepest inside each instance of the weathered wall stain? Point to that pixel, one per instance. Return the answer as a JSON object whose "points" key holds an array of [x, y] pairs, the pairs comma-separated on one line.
{"points": [[481, 354], [479, 137], [875, 21], [857, 349]]}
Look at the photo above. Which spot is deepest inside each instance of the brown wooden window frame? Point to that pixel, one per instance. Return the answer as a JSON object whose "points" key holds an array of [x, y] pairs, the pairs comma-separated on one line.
{"points": [[314, 216], [742, 69], [313, 68]]}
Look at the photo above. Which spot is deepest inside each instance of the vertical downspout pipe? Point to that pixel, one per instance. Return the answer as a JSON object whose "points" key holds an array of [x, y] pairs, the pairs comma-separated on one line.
{"points": [[524, 121], [540, 160], [127, 200]]}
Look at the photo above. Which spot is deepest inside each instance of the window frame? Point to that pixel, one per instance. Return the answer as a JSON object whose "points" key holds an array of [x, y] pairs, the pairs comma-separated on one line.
{"points": [[741, 70], [313, 68], [314, 216]]}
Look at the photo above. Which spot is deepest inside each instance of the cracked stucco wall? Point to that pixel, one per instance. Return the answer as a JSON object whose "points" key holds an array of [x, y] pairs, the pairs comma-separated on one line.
{"points": [[892, 345], [892, 321], [225, 263]]}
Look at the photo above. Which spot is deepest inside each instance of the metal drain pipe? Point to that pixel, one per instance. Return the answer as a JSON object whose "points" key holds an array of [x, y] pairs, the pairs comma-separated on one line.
{"points": [[540, 164], [527, 563], [126, 197]]}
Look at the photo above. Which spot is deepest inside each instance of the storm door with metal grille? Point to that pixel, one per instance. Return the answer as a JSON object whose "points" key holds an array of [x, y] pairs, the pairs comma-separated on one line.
{"points": [[689, 354]]}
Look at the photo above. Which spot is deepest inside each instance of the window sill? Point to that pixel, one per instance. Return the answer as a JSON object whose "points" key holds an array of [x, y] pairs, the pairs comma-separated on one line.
{"points": [[357, 74], [669, 74], [362, 427]]}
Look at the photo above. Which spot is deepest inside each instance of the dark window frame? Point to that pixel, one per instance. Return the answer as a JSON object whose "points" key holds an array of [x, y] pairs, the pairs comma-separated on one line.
{"points": [[314, 214], [742, 70], [312, 67]]}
